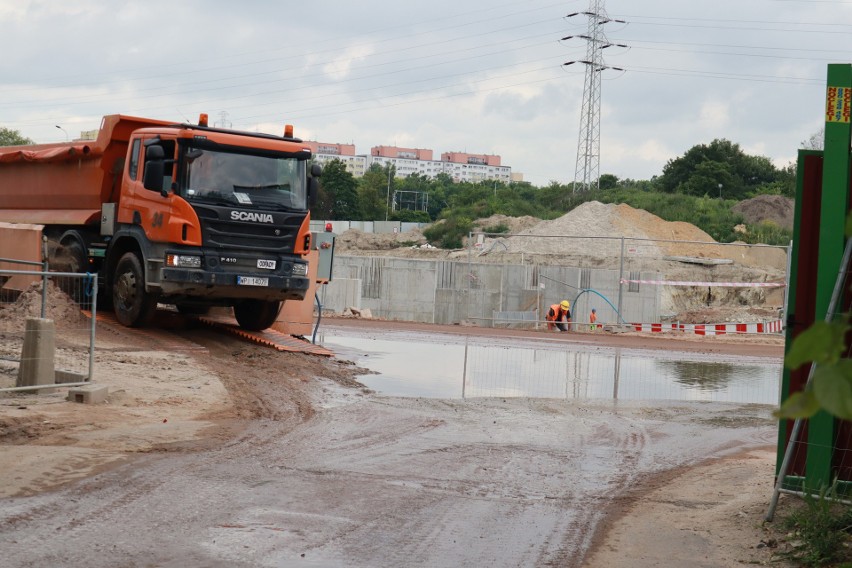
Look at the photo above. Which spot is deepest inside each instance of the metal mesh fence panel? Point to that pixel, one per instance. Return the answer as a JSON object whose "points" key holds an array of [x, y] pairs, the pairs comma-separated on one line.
{"points": [[65, 299]]}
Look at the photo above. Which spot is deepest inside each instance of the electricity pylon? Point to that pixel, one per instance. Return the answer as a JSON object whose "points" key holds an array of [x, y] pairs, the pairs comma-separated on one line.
{"points": [[587, 170]]}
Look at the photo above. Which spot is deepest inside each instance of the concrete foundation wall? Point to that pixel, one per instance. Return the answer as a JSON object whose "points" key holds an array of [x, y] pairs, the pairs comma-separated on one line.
{"points": [[341, 293], [451, 292]]}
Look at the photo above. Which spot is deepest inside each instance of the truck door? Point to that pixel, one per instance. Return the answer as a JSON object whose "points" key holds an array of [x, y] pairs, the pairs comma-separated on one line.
{"points": [[150, 208]]}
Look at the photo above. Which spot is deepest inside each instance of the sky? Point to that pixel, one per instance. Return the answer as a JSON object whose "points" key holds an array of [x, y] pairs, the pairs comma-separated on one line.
{"points": [[483, 77]]}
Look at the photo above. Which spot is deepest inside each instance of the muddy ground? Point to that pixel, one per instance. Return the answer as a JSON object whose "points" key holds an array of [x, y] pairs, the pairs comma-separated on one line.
{"points": [[214, 452]]}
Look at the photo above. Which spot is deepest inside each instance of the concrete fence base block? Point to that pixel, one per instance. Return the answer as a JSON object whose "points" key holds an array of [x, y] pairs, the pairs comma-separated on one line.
{"points": [[618, 328], [36, 366], [89, 394]]}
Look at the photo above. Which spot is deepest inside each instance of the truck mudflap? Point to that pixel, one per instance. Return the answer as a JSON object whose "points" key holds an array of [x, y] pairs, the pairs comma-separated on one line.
{"points": [[204, 284]]}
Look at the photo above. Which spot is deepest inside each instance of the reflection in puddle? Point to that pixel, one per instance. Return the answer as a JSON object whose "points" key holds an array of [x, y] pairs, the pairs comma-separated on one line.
{"points": [[458, 367]]}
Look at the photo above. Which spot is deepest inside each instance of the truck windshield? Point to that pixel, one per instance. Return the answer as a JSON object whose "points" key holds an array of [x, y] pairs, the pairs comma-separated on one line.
{"points": [[250, 181]]}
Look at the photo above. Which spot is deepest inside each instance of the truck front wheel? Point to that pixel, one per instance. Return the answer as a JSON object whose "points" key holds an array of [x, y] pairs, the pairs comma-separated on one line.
{"points": [[133, 306], [256, 315]]}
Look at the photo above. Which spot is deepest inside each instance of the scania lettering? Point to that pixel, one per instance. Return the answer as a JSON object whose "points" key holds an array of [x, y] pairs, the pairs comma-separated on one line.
{"points": [[246, 216], [181, 214]]}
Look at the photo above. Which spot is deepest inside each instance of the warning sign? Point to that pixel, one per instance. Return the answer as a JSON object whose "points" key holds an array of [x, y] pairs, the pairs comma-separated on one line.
{"points": [[838, 102]]}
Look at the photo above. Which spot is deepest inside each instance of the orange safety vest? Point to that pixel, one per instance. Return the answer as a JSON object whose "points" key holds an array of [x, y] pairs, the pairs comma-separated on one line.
{"points": [[555, 313]]}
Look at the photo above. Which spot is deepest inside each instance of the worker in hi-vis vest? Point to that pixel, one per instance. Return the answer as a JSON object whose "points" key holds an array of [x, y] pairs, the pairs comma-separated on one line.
{"points": [[559, 316], [593, 319]]}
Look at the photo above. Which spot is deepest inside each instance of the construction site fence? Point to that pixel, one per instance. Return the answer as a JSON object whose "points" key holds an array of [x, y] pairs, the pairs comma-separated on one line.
{"points": [[624, 279], [66, 299]]}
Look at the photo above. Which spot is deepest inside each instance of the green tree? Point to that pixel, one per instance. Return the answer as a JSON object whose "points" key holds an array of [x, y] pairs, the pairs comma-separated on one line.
{"points": [[373, 190], [9, 137], [704, 167], [608, 181], [341, 189]]}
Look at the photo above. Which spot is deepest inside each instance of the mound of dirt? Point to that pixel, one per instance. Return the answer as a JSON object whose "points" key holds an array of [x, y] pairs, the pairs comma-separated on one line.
{"points": [[774, 208], [357, 240], [597, 229], [593, 220], [59, 307]]}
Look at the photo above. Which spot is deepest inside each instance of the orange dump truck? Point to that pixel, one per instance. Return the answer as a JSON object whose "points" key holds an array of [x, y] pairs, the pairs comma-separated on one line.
{"points": [[169, 213]]}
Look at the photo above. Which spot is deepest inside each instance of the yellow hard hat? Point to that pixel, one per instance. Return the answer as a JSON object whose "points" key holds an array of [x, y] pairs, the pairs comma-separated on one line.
{"points": [[565, 304]]}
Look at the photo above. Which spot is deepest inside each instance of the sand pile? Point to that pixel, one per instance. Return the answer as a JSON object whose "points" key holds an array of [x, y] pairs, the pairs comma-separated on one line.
{"points": [[774, 208], [59, 307], [601, 227], [597, 229]]}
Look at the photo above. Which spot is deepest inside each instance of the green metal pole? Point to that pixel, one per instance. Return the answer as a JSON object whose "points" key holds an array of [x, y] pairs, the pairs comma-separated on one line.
{"points": [[833, 209]]}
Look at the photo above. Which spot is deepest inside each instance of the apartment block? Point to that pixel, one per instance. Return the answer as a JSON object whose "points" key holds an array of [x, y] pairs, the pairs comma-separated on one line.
{"points": [[324, 152], [461, 166]]}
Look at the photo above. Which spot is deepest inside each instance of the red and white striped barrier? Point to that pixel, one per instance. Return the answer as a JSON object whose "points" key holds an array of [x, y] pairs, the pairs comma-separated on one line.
{"points": [[705, 284], [776, 326]]}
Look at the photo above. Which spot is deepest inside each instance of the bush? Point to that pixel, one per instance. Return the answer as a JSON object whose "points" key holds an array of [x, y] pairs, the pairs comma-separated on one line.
{"points": [[821, 530], [768, 233], [500, 228], [449, 233]]}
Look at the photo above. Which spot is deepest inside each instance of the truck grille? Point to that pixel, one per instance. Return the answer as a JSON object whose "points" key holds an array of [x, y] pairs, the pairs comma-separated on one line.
{"points": [[219, 230]]}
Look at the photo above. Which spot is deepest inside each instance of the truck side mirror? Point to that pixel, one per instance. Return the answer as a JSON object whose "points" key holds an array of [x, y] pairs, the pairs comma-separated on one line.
{"points": [[155, 167], [313, 191], [313, 184]]}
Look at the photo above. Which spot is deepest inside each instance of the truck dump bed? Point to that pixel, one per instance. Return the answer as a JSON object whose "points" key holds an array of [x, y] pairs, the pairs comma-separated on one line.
{"points": [[66, 183]]}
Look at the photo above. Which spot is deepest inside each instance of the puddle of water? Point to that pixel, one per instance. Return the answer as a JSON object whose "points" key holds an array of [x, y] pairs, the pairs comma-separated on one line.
{"points": [[458, 367]]}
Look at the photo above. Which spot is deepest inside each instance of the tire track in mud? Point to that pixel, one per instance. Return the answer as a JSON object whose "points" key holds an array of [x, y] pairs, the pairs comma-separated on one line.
{"points": [[445, 492], [626, 451]]}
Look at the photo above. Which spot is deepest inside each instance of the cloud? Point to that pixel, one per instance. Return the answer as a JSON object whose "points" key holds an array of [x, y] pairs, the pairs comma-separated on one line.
{"points": [[341, 67], [714, 115]]}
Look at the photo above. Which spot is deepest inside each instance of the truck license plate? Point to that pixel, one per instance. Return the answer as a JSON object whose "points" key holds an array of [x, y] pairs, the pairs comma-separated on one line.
{"points": [[252, 281], [268, 264]]}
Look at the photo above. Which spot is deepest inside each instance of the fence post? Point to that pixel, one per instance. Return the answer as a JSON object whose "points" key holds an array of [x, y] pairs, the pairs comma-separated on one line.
{"points": [[469, 270], [44, 267], [94, 278], [787, 284], [620, 284]]}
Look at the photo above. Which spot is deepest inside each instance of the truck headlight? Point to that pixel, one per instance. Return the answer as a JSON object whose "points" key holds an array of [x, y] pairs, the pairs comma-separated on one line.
{"points": [[183, 261], [300, 269]]}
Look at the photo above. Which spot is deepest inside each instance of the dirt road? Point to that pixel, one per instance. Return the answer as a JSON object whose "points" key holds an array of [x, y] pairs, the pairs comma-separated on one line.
{"points": [[213, 452]]}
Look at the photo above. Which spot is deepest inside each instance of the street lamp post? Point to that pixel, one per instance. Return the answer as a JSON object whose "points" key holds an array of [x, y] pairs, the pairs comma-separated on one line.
{"points": [[720, 191], [387, 197], [63, 131]]}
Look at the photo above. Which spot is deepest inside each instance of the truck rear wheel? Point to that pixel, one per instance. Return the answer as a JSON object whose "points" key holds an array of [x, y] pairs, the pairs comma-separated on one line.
{"points": [[75, 256], [133, 306], [256, 315]]}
